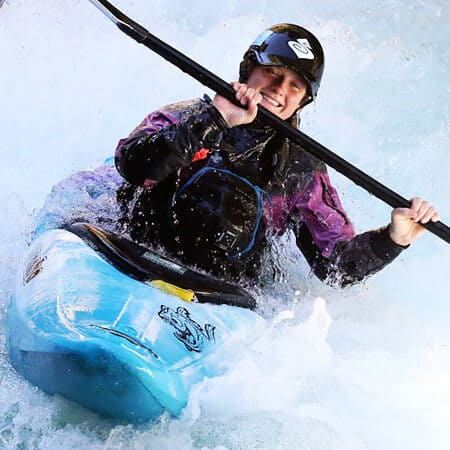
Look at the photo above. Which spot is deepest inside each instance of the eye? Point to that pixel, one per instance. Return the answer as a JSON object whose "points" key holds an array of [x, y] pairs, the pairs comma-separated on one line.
{"points": [[298, 86], [271, 70]]}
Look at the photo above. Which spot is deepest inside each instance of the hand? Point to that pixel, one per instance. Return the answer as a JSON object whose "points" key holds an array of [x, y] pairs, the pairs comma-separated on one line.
{"points": [[235, 115], [405, 225]]}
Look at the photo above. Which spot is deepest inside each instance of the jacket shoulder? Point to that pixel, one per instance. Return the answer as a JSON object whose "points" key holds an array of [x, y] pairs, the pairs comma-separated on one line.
{"points": [[296, 167], [187, 107]]}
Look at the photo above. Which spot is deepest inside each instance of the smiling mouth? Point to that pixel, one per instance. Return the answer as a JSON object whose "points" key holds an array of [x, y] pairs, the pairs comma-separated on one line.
{"points": [[271, 101]]}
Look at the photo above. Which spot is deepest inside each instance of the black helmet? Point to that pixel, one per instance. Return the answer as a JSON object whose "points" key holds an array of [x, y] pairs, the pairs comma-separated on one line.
{"points": [[291, 46]]}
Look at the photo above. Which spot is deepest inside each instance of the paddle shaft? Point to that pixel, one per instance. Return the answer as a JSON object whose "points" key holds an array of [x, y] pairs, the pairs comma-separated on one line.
{"points": [[209, 79]]}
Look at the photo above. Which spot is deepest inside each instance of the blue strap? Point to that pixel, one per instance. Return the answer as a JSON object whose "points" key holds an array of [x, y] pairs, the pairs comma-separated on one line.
{"points": [[259, 195]]}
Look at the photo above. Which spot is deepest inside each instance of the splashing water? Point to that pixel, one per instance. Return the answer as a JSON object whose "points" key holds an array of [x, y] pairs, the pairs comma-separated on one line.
{"points": [[366, 368]]}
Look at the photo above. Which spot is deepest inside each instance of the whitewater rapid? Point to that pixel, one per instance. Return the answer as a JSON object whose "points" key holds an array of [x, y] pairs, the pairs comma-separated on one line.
{"points": [[364, 368]]}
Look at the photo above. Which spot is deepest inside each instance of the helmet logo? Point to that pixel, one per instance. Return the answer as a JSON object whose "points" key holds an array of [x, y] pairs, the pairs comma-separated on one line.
{"points": [[302, 48]]}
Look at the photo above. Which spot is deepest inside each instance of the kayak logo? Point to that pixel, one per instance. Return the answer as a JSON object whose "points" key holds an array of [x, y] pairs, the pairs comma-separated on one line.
{"points": [[302, 48], [189, 332]]}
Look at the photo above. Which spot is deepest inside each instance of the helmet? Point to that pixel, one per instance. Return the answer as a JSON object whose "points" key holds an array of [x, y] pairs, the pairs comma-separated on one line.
{"points": [[291, 46]]}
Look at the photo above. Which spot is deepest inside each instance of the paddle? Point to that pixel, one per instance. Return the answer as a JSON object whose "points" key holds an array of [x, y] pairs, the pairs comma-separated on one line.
{"points": [[207, 78]]}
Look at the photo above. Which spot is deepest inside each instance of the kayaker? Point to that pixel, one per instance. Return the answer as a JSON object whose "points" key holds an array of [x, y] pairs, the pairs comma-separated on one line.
{"points": [[212, 185]]}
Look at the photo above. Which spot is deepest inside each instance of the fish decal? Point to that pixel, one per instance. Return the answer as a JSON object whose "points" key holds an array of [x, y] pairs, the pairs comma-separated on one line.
{"points": [[189, 332]]}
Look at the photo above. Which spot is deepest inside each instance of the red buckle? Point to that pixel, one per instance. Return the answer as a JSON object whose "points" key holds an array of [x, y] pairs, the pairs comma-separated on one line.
{"points": [[201, 154]]}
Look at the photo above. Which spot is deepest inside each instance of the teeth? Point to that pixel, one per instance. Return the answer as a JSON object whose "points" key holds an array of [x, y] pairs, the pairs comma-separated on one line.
{"points": [[271, 100]]}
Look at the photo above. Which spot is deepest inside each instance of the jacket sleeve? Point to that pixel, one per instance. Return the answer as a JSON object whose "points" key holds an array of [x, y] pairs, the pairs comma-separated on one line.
{"points": [[327, 239], [167, 140]]}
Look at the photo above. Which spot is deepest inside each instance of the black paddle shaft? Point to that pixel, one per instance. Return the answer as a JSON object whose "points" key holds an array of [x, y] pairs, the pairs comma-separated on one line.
{"points": [[209, 79]]}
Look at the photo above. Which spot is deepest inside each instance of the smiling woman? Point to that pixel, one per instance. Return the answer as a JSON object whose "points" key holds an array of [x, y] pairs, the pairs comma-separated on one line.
{"points": [[188, 205]]}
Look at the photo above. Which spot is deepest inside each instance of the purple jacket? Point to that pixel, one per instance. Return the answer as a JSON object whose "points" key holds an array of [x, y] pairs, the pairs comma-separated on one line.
{"points": [[171, 145]]}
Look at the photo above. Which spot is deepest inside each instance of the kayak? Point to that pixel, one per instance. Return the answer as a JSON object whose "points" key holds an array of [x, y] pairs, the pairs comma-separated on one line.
{"points": [[116, 327]]}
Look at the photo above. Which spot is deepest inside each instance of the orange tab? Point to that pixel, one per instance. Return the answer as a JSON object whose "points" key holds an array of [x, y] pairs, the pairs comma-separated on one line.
{"points": [[201, 154]]}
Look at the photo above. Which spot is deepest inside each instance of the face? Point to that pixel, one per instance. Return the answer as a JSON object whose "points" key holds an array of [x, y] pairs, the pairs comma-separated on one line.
{"points": [[281, 88]]}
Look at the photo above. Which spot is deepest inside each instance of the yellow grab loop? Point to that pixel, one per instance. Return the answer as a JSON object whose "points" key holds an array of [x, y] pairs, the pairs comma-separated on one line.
{"points": [[184, 294]]}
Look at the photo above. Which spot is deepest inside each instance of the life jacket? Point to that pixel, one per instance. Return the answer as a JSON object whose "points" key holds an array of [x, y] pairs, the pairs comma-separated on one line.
{"points": [[210, 214]]}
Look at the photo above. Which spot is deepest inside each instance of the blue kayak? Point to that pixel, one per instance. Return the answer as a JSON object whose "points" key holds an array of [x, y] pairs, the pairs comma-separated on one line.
{"points": [[116, 327]]}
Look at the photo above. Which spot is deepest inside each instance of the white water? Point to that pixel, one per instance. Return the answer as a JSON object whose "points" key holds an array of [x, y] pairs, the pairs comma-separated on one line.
{"points": [[367, 368]]}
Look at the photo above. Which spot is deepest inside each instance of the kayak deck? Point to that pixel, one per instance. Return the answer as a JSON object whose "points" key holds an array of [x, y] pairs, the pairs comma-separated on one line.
{"points": [[79, 327]]}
